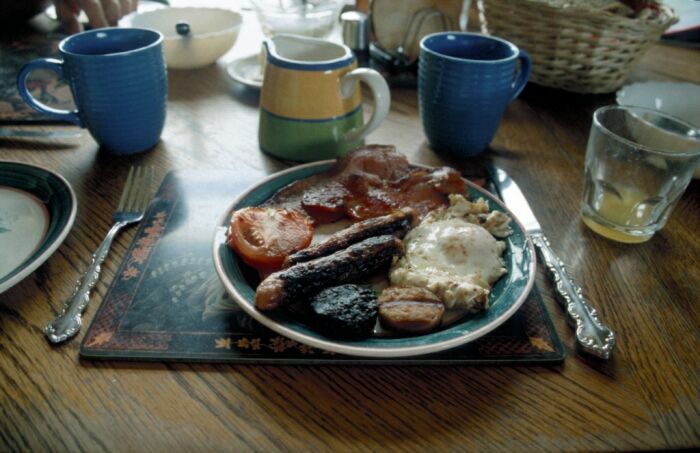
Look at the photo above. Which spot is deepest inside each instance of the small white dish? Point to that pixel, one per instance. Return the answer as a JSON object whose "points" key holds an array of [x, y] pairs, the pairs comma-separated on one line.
{"points": [[681, 100], [247, 71], [208, 33]]}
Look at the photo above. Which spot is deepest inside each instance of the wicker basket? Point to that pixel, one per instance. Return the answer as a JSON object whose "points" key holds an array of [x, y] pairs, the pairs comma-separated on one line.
{"points": [[573, 48]]}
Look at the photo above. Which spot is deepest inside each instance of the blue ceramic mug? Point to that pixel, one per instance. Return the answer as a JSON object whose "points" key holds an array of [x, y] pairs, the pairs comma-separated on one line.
{"points": [[119, 84], [465, 83]]}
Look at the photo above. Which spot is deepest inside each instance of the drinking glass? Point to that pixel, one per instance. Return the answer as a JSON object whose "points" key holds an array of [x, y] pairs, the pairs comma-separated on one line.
{"points": [[639, 162], [313, 18]]}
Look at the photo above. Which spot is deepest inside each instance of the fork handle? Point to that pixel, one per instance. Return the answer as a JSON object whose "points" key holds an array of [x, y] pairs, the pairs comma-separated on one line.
{"points": [[67, 324], [592, 335]]}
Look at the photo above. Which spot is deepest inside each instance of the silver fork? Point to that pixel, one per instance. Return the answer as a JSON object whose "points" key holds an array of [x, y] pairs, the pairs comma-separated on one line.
{"points": [[131, 208]]}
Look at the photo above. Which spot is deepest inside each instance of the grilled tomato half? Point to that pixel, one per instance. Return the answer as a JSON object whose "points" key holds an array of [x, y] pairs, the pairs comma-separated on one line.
{"points": [[263, 237]]}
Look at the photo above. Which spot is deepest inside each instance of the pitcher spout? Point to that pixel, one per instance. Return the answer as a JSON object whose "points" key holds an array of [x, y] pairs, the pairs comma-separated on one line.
{"points": [[305, 53]]}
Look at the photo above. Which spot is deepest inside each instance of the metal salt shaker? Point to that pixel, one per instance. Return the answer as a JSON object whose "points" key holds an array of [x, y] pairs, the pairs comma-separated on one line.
{"points": [[355, 26]]}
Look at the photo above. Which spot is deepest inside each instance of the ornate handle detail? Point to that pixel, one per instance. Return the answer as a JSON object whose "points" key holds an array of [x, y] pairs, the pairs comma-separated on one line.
{"points": [[592, 335], [68, 323]]}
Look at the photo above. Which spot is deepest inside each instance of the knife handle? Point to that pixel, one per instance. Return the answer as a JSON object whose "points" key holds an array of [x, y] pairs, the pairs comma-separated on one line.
{"points": [[592, 336]]}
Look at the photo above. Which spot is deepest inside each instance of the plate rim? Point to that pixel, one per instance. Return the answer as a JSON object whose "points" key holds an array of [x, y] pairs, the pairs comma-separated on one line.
{"points": [[363, 351], [29, 266]]}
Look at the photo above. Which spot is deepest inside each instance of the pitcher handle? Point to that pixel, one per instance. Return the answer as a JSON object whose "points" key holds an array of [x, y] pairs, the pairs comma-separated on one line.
{"points": [[523, 75], [52, 65], [380, 93]]}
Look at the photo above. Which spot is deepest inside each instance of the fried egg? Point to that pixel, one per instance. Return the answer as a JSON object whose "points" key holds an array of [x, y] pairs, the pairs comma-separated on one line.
{"points": [[451, 254]]}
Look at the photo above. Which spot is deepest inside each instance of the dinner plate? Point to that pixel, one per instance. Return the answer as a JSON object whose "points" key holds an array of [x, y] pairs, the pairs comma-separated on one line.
{"points": [[506, 296], [37, 210], [247, 71]]}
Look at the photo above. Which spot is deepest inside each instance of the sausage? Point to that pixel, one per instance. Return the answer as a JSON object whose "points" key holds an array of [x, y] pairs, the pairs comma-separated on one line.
{"points": [[409, 309], [356, 262], [397, 223]]}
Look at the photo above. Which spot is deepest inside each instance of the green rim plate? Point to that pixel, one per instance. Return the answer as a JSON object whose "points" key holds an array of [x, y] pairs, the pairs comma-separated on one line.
{"points": [[54, 196], [506, 296]]}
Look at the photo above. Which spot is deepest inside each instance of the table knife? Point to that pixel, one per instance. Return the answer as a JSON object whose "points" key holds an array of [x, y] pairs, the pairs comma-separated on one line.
{"points": [[23, 133], [592, 335]]}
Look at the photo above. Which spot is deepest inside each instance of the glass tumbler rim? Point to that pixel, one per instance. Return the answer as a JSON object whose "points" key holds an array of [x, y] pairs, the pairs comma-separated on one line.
{"points": [[629, 107]]}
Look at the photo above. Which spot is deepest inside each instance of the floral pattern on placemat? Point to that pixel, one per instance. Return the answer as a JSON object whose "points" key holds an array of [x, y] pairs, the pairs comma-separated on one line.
{"points": [[143, 246]]}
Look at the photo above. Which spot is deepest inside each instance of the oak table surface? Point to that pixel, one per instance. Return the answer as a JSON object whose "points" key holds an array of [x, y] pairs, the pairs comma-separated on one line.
{"points": [[645, 397]]}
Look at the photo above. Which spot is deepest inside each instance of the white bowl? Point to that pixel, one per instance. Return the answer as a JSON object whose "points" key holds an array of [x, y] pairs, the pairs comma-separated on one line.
{"points": [[212, 32], [681, 100]]}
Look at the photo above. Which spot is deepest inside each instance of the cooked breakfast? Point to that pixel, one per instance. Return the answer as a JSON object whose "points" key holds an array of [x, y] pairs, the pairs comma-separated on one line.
{"points": [[373, 246]]}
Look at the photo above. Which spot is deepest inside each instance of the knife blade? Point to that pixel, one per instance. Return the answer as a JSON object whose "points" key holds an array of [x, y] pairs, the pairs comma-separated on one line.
{"points": [[592, 335], [22, 133]]}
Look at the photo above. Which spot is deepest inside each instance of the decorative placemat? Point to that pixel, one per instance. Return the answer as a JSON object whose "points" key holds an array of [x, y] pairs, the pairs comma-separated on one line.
{"points": [[166, 302], [44, 85]]}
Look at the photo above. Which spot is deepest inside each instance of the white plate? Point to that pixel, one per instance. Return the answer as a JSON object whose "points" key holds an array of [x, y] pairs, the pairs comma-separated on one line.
{"points": [[37, 210], [247, 71], [681, 100]]}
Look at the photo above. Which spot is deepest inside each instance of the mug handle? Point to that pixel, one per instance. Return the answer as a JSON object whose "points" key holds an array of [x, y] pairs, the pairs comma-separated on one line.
{"points": [[52, 65], [380, 93], [524, 75]]}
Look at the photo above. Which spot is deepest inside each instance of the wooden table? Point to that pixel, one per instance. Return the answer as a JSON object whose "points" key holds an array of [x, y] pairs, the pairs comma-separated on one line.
{"points": [[645, 397]]}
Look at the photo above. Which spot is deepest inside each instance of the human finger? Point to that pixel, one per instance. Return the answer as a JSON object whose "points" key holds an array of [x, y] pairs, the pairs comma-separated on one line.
{"points": [[68, 17], [112, 11], [127, 6], [95, 13]]}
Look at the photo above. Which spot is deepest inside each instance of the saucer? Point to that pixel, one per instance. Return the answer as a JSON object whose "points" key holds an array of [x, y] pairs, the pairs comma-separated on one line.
{"points": [[247, 71]]}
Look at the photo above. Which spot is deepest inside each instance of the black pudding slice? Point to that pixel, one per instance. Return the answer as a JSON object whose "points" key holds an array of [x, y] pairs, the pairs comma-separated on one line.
{"points": [[345, 311]]}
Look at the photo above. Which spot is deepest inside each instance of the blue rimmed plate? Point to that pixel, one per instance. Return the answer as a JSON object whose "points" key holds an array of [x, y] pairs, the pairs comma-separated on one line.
{"points": [[506, 296], [37, 210]]}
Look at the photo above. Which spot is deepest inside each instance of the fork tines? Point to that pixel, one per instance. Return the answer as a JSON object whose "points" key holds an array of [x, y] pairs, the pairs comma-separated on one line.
{"points": [[137, 189]]}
